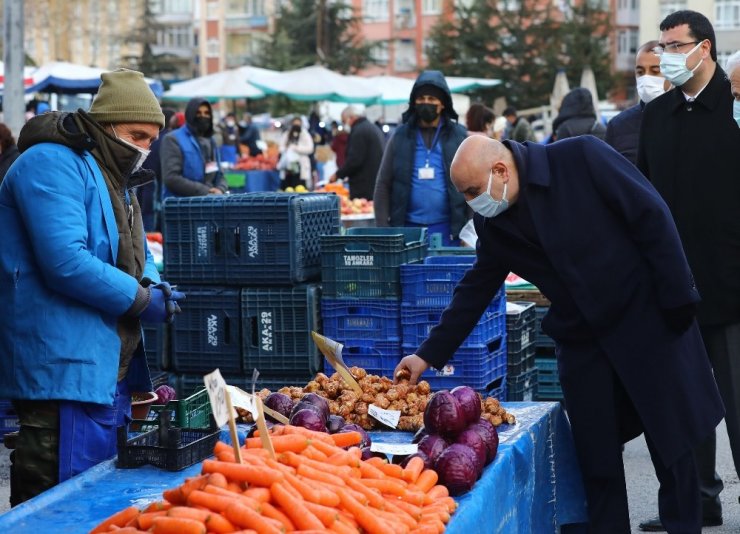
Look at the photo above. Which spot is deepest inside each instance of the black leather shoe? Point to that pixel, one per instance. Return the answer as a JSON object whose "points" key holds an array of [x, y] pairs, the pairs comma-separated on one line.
{"points": [[654, 524]]}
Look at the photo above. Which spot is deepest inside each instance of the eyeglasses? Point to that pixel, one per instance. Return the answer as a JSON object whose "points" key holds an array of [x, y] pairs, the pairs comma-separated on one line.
{"points": [[671, 48]]}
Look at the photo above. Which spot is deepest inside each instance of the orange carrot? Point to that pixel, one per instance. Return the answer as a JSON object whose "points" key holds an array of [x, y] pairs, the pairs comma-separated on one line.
{"points": [[387, 486], [259, 476], [245, 517], [413, 469], [316, 474], [177, 525], [437, 492], [189, 513], [218, 524], [343, 458], [293, 443], [246, 501], [193, 483], [370, 523], [157, 506], [218, 479], [411, 509], [346, 439], [146, 519], [374, 498], [129, 530], [173, 496], [119, 519], [295, 460], [268, 510], [258, 494], [326, 514], [427, 480], [414, 497], [399, 521], [301, 517], [368, 470], [234, 487], [375, 461], [329, 449], [340, 527], [312, 434], [424, 529], [216, 503], [434, 521], [392, 470], [391, 506], [307, 492], [314, 453]]}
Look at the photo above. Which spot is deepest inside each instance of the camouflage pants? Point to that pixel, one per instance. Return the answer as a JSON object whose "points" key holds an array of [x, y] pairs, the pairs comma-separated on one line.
{"points": [[34, 464]]}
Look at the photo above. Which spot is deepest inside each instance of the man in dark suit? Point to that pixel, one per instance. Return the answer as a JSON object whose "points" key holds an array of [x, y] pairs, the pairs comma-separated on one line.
{"points": [[623, 131], [589, 230], [689, 151]]}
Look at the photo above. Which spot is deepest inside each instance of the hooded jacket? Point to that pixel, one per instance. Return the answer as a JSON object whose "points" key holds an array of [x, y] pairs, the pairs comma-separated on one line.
{"points": [[184, 155], [61, 292], [577, 116], [393, 186]]}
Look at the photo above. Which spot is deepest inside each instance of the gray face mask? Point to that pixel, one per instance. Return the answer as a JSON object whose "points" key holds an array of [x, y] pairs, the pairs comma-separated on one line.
{"points": [[485, 205], [143, 152]]}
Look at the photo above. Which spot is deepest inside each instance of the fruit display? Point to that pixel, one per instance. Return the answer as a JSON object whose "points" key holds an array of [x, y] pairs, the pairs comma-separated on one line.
{"points": [[356, 206], [260, 162]]}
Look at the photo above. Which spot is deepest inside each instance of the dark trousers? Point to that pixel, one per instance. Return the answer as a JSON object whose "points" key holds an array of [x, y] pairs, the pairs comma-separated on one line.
{"points": [[602, 417], [723, 347]]}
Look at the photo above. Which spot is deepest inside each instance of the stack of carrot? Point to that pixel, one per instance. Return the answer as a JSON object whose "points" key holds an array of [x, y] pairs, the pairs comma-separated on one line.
{"points": [[314, 485]]}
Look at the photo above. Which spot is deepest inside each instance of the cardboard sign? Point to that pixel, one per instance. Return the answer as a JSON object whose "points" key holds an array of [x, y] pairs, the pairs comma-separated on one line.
{"points": [[332, 350], [216, 387], [396, 449], [387, 417]]}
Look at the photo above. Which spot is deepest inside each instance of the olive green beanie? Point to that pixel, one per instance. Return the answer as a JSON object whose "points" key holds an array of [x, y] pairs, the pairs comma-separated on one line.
{"points": [[124, 96]]}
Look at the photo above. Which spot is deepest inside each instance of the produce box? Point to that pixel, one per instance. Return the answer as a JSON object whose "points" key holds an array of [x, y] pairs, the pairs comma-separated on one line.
{"points": [[542, 339], [206, 335], [254, 238], [522, 387], [276, 325], [154, 346], [365, 262], [520, 361], [548, 381], [431, 282], [417, 322], [436, 248], [358, 319], [376, 357]]}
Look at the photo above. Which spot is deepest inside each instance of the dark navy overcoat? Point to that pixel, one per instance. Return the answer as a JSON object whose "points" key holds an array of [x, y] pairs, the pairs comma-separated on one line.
{"points": [[611, 241]]}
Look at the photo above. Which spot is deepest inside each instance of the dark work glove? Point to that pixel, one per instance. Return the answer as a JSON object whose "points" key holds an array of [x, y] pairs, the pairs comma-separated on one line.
{"points": [[169, 302], [680, 317]]}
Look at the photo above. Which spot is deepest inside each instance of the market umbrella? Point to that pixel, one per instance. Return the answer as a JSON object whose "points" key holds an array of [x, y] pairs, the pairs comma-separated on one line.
{"points": [[588, 81], [27, 76], [229, 84], [559, 90], [393, 89], [318, 83], [458, 84], [69, 78]]}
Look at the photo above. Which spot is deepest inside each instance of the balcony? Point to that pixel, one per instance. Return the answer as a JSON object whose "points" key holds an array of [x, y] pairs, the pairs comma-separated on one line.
{"points": [[627, 17], [241, 22]]}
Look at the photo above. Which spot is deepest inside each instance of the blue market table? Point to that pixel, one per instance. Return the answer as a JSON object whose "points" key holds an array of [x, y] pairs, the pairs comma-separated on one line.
{"points": [[252, 181], [533, 485]]}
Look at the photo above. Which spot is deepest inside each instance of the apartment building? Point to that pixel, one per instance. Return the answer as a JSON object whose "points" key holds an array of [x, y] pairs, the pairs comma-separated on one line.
{"points": [[175, 35]]}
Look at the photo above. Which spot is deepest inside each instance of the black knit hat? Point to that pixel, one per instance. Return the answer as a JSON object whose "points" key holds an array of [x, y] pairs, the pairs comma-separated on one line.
{"points": [[431, 90]]}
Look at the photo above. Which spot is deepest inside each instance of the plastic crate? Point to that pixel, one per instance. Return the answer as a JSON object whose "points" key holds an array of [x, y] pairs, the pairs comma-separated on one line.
{"points": [[520, 336], [432, 282], [522, 387], [276, 326], [548, 381], [373, 319], [436, 248], [520, 361], [365, 262], [376, 357], [154, 346], [206, 336], [8, 418], [542, 339], [187, 384], [417, 322], [254, 238], [497, 389], [519, 312], [476, 367]]}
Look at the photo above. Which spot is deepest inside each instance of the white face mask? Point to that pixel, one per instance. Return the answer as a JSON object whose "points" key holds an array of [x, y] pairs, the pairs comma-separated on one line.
{"points": [[736, 111], [143, 152], [673, 66], [485, 205], [650, 87]]}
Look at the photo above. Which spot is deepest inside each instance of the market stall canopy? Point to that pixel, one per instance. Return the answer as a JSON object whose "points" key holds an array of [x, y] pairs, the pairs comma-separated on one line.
{"points": [[69, 78], [318, 83], [559, 90], [396, 90], [588, 81], [458, 84], [229, 84], [27, 76]]}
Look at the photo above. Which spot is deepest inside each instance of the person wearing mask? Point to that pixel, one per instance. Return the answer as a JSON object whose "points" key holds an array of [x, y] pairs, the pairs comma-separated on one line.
{"points": [[519, 129], [191, 165], [413, 187], [623, 131], [77, 279], [364, 152], [296, 147], [479, 120], [577, 116], [688, 149], [584, 225], [229, 132], [8, 150], [733, 73]]}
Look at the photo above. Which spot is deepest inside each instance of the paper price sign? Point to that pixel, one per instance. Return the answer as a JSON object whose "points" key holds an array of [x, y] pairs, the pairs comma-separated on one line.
{"points": [[387, 417], [242, 399], [216, 387], [395, 449]]}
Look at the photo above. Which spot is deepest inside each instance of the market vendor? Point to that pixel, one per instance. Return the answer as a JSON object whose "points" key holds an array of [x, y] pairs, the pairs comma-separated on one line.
{"points": [[582, 223], [76, 281]]}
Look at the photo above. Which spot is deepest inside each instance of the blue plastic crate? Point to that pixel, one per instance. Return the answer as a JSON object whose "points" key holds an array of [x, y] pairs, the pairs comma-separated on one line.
{"points": [[365, 262], [154, 346], [432, 282], [254, 238], [206, 335], [8, 418], [276, 326], [376, 357], [548, 381], [355, 319], [187, 384], [436, 248], [522, 387], [417, 322], [542, 339], [497, 389], [520, 361]]}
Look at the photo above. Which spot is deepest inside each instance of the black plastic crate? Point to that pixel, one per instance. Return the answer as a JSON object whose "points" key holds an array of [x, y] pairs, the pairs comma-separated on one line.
{"points": [[206, 335], [520, 336], [254, 238], [365, 262], [276, 325], [519, 312], [374, 319], [542, 339], [522, 360], [8, 418], [522, 387], [187, 385], [154, 346]]}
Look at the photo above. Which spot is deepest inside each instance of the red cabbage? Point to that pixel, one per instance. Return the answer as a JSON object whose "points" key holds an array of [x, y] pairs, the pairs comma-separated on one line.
{"points": [[474, 440], [443, 415], [335, 423], [165, 394], [352, 427], [457, 468], [490, 437], [301, 405], [469, 402], [419, 434], [428, 464], [279, 402], [309, 419], [432, 445], [318, 401]]}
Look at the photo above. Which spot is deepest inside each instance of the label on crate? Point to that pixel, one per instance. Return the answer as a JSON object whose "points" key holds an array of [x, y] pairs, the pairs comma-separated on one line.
{"points": [[253, 241], [212, 330], [396, 449], [525, 337], [216, 387], [359, 260], [201, 242], [266, 331], [447, 370], [527, 396], [387, 417]]}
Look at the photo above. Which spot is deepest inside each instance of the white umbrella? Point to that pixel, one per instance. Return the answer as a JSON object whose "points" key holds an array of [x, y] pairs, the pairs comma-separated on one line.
{"points": [[228, 84], [588, 81], [318, 83], [393, 89], [70, 78], [559, 90], [458, 84]]}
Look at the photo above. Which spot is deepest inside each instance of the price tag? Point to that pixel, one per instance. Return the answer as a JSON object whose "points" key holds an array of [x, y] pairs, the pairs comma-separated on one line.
{"points": [[396, 449], [216, 387], [387, 417]]}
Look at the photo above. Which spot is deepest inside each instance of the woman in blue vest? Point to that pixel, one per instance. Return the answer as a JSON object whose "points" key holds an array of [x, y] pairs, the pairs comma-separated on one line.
{"points": [[191, 164], [413, 186]]}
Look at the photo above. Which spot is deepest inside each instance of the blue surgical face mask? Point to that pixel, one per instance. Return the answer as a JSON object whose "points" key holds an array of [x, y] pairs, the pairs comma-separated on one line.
{"points": [[673, 66], [736, 111], [485, 205]]}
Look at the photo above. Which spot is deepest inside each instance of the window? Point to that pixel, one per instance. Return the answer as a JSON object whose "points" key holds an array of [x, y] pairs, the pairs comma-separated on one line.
{"points": [[380, 53], [431, 7], [509, 5], [212, 10], [727, 14], [375, 10], [669, 6], [722, 57], [213, 48], [627, 42], [177, 6]]}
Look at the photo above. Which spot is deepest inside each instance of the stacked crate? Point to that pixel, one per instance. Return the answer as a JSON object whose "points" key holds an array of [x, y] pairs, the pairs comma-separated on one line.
{"points": [[548, 382], [247, 264], [361, 302], [480, 362], [521, 378]]}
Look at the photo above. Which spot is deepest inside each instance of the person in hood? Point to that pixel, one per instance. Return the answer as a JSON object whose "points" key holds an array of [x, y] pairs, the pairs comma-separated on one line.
{"points": [[8, 150], [577, 116], [77, 281], [413, 187], [191, 163], [623, 131]]}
